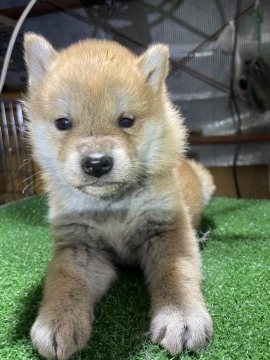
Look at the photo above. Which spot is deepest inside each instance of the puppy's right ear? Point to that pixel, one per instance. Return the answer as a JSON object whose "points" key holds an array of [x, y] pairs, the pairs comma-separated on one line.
{"points": [[38, 55]]}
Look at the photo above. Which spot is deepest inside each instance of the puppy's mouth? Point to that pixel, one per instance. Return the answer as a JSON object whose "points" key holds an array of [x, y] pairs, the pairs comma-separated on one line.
{"points": [[102, 188], [101, 184]]}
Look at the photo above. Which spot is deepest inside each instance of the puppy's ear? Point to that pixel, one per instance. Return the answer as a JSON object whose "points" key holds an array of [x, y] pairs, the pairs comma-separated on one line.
{"points": [[38, 55], [154, 65]]}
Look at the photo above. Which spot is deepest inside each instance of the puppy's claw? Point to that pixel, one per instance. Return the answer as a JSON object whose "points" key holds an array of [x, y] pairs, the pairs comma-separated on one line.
{"points": [[177, 330], [55, 340]]}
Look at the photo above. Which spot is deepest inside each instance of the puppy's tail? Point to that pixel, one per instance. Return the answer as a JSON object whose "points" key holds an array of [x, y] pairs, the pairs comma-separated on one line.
{"points": [[206, 180]]}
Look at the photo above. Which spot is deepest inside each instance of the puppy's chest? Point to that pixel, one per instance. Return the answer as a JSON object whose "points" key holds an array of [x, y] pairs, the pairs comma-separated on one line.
{"points": [[128, 223], [120, 228]]}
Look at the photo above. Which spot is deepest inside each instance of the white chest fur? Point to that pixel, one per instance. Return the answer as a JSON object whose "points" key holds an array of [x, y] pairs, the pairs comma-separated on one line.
{"points": [[114, 220]]}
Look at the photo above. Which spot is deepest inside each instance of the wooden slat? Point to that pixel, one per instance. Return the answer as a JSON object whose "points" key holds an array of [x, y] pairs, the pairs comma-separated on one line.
{"points": [[227, 139]]}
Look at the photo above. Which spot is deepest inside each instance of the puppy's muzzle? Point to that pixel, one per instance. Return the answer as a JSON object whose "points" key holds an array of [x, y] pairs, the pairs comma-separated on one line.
{"points": [[97, 166]]}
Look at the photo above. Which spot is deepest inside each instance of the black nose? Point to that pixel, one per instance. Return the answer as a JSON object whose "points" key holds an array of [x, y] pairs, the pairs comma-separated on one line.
{"points": [[97, 166]]}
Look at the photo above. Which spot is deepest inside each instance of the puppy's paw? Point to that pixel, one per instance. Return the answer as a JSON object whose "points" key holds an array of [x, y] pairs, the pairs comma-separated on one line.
{"points": [[59, 338], [177, 330]]}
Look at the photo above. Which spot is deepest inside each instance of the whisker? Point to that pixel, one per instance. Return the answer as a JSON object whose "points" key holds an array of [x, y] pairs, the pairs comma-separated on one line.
{"points": [[31, 176], [41, 198], [24, 163]]}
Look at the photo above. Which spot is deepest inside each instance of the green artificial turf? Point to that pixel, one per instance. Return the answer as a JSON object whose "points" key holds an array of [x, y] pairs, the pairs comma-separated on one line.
{"points": [[236, 269]]}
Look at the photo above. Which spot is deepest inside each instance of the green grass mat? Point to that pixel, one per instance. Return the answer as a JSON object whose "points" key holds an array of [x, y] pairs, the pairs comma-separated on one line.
{"points": [[236, 268]]}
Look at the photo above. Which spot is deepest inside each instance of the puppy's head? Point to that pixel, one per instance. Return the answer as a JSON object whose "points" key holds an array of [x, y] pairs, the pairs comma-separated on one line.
{"points": [[99, 117]]}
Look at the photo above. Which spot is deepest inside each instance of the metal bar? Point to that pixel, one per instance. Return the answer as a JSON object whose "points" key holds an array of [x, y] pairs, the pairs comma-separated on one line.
{"points": [[8, 148], [26, 167], [14, 133], [2, 152]]}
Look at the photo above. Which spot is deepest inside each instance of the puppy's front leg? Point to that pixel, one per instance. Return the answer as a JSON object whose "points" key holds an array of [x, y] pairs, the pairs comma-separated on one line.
{"points": [[179, 318], [74, 281]]}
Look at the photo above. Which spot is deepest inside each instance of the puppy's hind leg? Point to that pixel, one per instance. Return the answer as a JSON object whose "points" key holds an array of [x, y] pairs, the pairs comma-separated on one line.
{"points": [[74, 282]]}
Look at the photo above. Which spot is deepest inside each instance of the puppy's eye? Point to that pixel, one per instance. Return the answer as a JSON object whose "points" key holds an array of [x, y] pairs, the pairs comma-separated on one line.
{"points": [[125, 122], [63, 124]]}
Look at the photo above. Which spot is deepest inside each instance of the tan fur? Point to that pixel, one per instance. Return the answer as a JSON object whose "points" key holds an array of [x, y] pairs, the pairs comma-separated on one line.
{"points": [[142, 212], [197, 187]]}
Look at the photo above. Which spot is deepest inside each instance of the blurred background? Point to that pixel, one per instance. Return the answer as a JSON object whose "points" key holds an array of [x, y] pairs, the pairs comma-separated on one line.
{"points": [[219, 78]]}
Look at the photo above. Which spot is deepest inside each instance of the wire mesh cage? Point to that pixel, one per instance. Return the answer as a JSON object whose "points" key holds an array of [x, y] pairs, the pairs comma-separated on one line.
{"points": [[16, 168]]}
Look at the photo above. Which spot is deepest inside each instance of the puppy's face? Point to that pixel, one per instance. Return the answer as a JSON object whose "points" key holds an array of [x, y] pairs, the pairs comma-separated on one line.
{"points": [[97, 114]]}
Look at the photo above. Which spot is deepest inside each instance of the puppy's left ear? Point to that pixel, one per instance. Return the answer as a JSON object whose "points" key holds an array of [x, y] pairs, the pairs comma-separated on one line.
{"points": [[154, 65]]}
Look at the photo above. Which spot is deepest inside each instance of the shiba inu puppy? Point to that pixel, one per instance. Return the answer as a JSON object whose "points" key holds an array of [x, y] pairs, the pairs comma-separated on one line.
{"points": [[110, 145]]}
